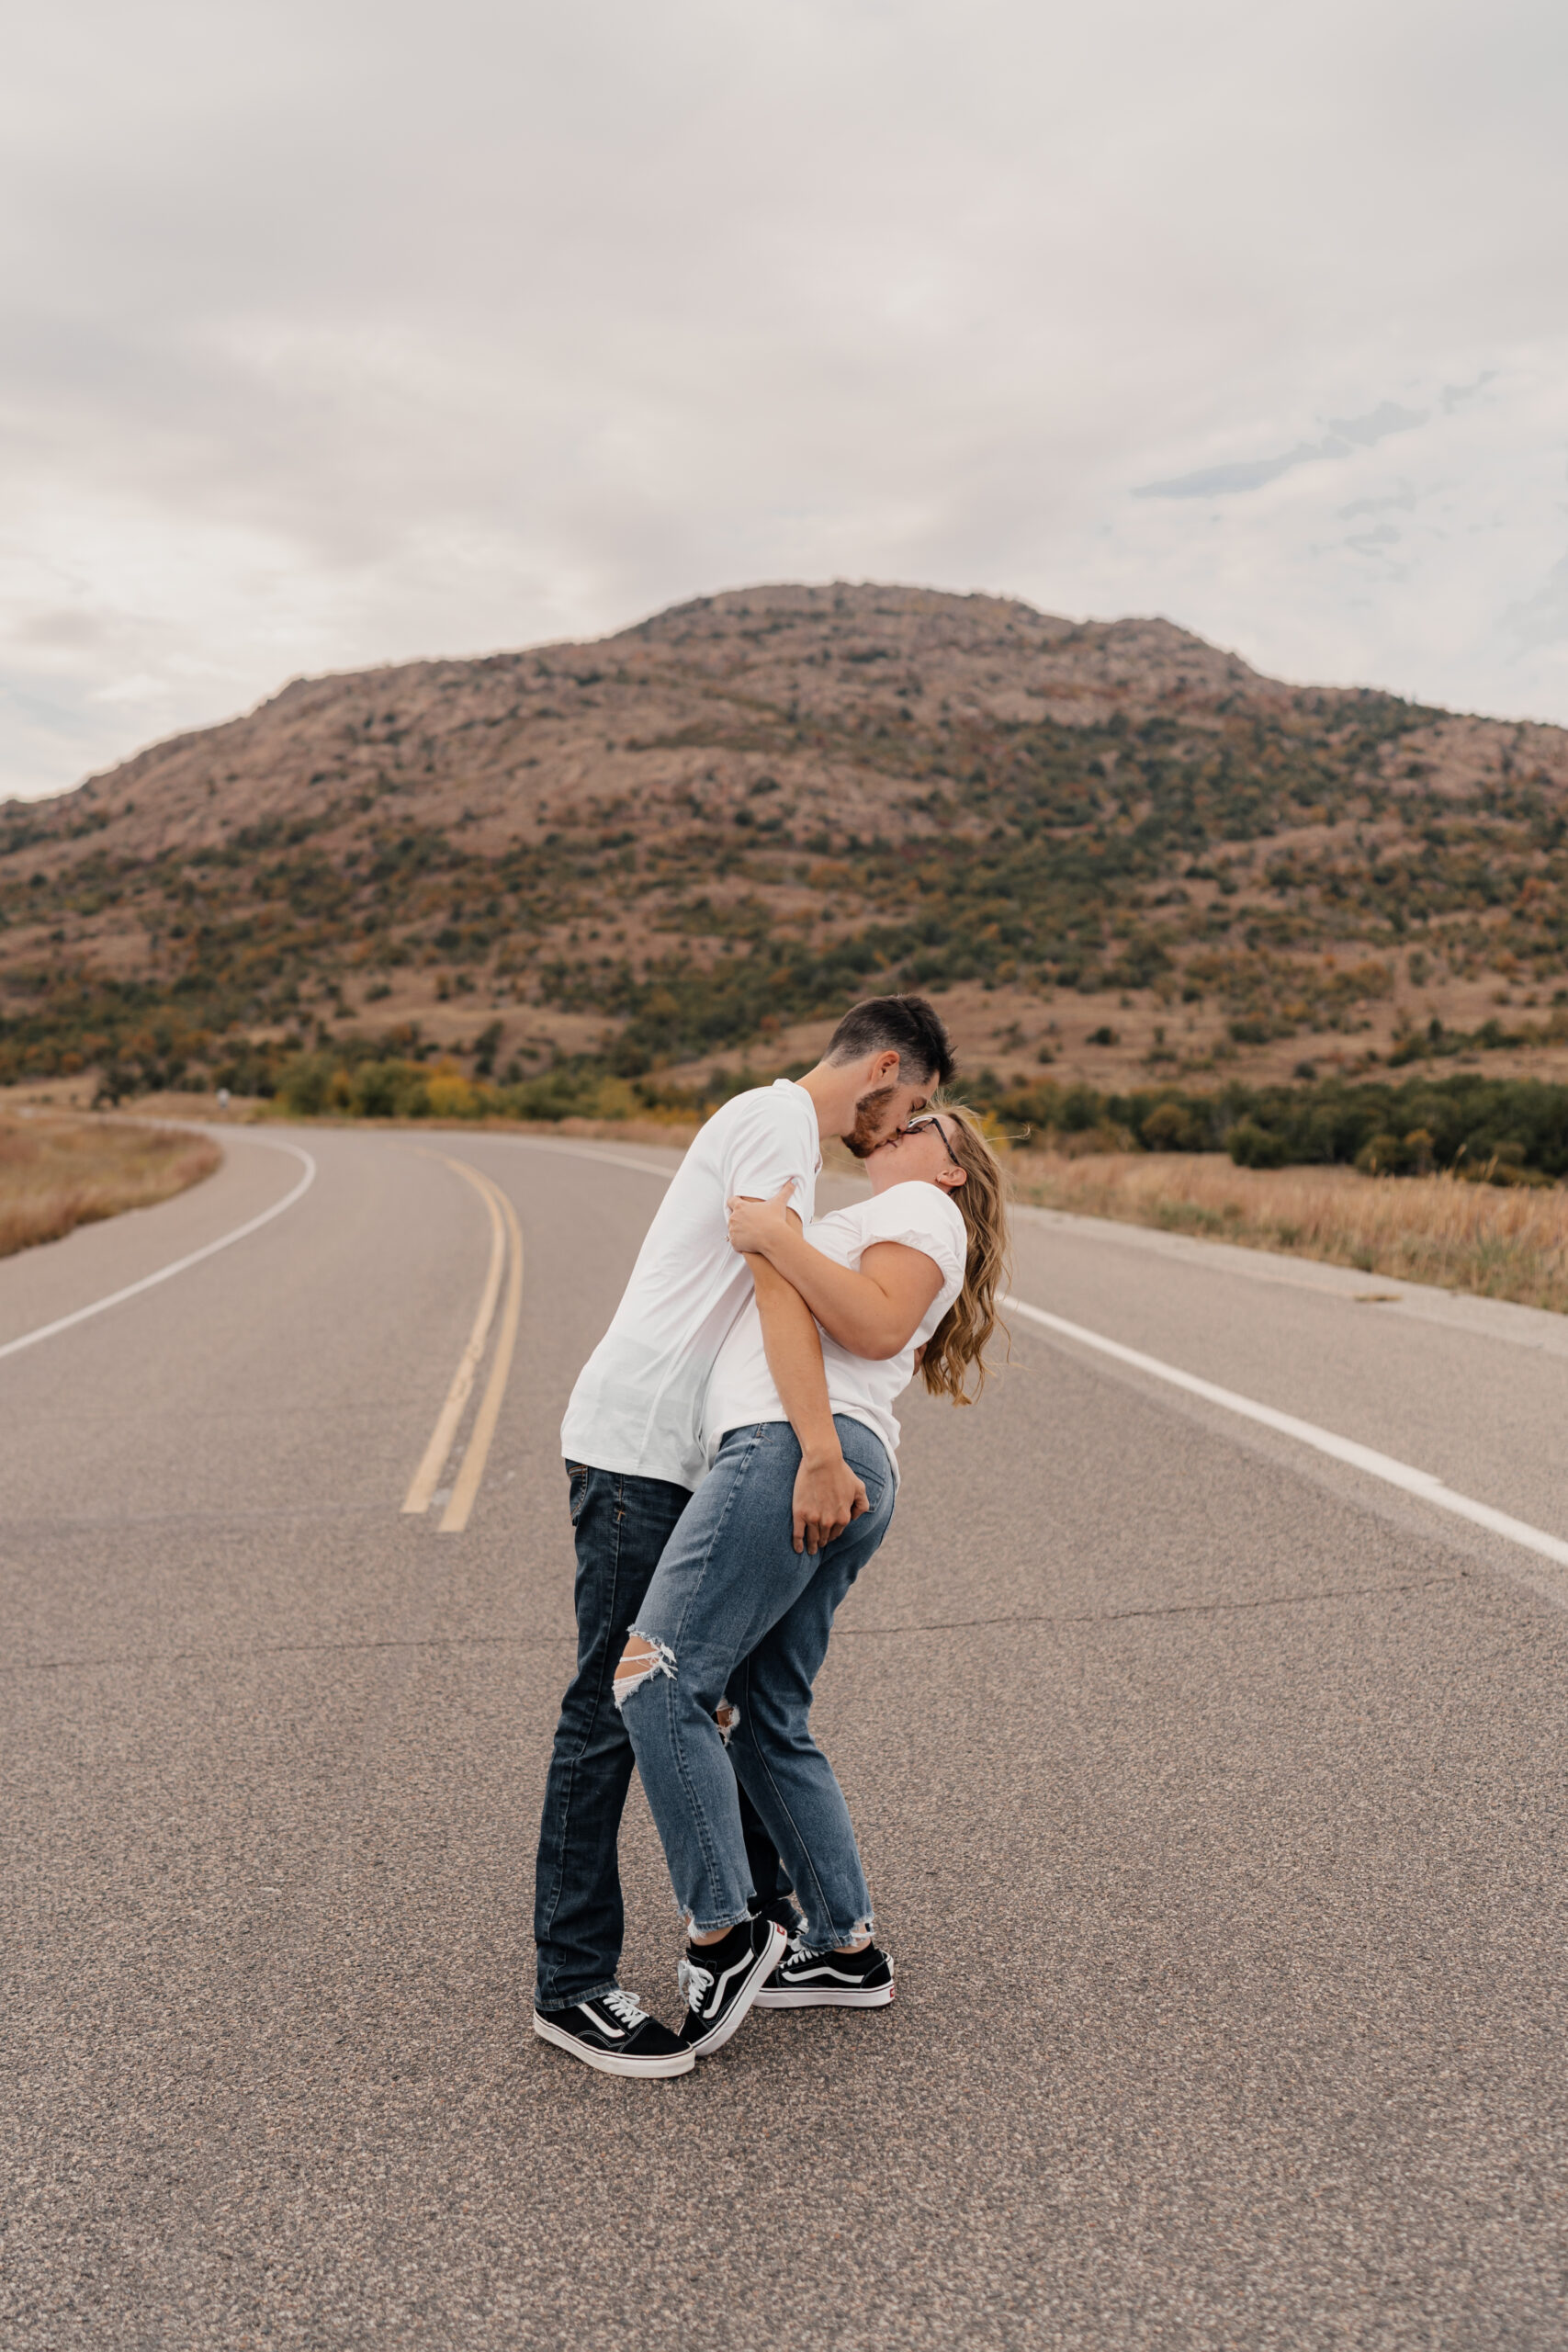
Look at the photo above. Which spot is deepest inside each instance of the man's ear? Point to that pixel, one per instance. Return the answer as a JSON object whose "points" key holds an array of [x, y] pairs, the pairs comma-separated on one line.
{"points": [[884, 1067]]}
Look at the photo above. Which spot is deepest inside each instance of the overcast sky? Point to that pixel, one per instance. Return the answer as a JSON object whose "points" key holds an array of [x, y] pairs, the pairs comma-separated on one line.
{"points": [[339, 334]]}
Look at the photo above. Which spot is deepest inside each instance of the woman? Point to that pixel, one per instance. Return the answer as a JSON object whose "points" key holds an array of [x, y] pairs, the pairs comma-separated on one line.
{"points": [[736, 1622]]}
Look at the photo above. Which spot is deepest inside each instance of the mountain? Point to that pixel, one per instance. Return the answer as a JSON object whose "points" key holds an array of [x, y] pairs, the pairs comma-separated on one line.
{"points": [[1108, 848]]}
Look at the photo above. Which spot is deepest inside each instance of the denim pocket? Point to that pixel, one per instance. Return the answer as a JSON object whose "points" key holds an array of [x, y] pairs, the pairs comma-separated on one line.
{"points": [[876, 1478], [579, 1475]]}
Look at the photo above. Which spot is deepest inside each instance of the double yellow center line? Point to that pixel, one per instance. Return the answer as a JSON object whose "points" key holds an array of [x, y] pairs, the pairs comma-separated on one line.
{"points": [[507, 1240]]}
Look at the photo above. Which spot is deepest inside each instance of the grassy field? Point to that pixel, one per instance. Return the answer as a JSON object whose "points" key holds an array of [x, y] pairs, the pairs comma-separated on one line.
{"points": [[57, 1172], [1499, 1244]]}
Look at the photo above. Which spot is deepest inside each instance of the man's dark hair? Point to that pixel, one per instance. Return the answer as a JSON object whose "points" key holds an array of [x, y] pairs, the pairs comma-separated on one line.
{"points": [[906, 1025]]}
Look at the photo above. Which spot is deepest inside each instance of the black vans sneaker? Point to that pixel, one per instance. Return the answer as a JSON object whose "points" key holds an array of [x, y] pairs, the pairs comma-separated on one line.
{"points": [[615, 2033], [829, 1980], [720, 1981]]}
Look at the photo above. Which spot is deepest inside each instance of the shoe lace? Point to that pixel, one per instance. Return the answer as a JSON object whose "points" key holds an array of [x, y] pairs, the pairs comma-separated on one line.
{"points": [[695, 1983], [626, 2008]]}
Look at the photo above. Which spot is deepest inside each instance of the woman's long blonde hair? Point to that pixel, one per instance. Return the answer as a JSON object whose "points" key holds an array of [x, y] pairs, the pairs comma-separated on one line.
{"points": [[954, 1362]]}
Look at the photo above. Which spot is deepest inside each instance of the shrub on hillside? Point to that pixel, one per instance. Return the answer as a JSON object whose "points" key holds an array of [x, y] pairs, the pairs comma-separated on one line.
{"points": [[1474, 1124], [1251, 1146], [389, 1089], [449, 1095], [364, 1086]]}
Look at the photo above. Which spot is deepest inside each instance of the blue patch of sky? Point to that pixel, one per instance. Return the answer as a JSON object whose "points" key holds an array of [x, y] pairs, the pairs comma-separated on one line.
{"points": [[1346, 434]]}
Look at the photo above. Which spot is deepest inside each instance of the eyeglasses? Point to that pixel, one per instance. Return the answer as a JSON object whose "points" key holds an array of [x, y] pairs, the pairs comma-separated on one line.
{"points": [[914, 1127]]}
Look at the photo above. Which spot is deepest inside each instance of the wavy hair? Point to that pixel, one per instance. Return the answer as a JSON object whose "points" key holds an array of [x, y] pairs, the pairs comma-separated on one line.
{"points": [[955, 1362]]}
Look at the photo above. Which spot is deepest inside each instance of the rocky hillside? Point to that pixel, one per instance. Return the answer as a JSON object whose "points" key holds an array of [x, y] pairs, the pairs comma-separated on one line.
{"points": [[1106, 847]]}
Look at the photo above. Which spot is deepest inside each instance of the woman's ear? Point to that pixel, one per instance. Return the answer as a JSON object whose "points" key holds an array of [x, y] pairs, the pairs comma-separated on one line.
{"points": [[951, 1179]]}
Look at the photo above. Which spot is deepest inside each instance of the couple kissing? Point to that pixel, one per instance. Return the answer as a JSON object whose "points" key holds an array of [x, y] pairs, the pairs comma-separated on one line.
{"points": [[732, 1459]]}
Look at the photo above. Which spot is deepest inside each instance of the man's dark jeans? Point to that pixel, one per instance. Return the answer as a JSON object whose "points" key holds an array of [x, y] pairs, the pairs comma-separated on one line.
{"points": [[622, 1525]]}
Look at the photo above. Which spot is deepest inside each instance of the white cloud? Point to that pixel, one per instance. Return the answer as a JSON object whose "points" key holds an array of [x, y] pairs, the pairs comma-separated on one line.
{"points": [[1541, 620], [341, 334]]}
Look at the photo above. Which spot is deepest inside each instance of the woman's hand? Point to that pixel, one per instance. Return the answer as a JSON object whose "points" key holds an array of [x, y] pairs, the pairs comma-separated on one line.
{"points": [[757, 1227]]}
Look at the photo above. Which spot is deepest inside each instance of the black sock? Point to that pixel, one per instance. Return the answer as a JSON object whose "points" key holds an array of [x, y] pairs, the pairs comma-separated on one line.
{"points": [[738, 1939]]}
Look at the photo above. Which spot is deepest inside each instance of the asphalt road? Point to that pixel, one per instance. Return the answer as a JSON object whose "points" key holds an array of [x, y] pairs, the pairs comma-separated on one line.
{"points": [[1211, 1792]]}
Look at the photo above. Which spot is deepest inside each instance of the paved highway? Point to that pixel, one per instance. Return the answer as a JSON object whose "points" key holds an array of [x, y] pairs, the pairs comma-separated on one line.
{"points": [[1211, 1788]]}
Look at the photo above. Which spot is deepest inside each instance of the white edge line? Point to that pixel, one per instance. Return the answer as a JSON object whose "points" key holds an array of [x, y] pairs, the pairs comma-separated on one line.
{"points": [[1342, 1449], [133, 1290]]}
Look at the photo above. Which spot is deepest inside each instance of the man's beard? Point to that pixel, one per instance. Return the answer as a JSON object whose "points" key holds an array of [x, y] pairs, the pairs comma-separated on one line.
{"points": [[867, 1132]]}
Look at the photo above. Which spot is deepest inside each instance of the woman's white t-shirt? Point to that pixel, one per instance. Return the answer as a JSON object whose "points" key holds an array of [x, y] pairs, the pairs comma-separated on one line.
{"points": [[741, 1390]]}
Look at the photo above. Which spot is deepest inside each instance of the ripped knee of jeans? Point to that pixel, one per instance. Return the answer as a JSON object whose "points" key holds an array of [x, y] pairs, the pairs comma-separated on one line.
{"points": [[642, 1658]]}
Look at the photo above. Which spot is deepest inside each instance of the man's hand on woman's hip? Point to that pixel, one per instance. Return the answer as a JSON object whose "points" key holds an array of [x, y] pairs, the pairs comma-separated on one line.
{"points": [[827, 1495]]}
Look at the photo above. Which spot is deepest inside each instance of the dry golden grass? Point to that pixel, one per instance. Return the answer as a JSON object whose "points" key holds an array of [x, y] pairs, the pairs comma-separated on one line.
{"points": [[56, 1173], [1500, 1244]]}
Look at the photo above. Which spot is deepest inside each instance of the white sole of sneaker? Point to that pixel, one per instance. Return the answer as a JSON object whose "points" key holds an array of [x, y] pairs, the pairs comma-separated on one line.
{"points": [[604, 2062], [872, 1996], [761, 1968]]}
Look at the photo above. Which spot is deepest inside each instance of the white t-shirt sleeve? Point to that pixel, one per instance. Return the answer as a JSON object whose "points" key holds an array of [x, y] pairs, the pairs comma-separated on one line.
{"points": [[773, 1145], [922, 1217]]}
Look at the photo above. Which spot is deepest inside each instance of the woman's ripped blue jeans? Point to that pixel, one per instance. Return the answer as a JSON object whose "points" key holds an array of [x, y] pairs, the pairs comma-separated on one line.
{"points": [[739, 1622]]}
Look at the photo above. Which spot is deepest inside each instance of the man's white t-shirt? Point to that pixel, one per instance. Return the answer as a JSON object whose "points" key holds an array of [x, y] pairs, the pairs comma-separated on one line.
{"points": [[637, 1404], [742, 1392]]}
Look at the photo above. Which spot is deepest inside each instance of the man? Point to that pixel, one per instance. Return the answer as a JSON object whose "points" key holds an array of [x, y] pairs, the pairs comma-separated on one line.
{"points": [[633, 1442]]}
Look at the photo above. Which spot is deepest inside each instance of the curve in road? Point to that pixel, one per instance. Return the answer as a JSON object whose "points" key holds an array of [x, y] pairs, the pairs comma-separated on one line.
{"points": [[180, 1265], [1212, 1796]]}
